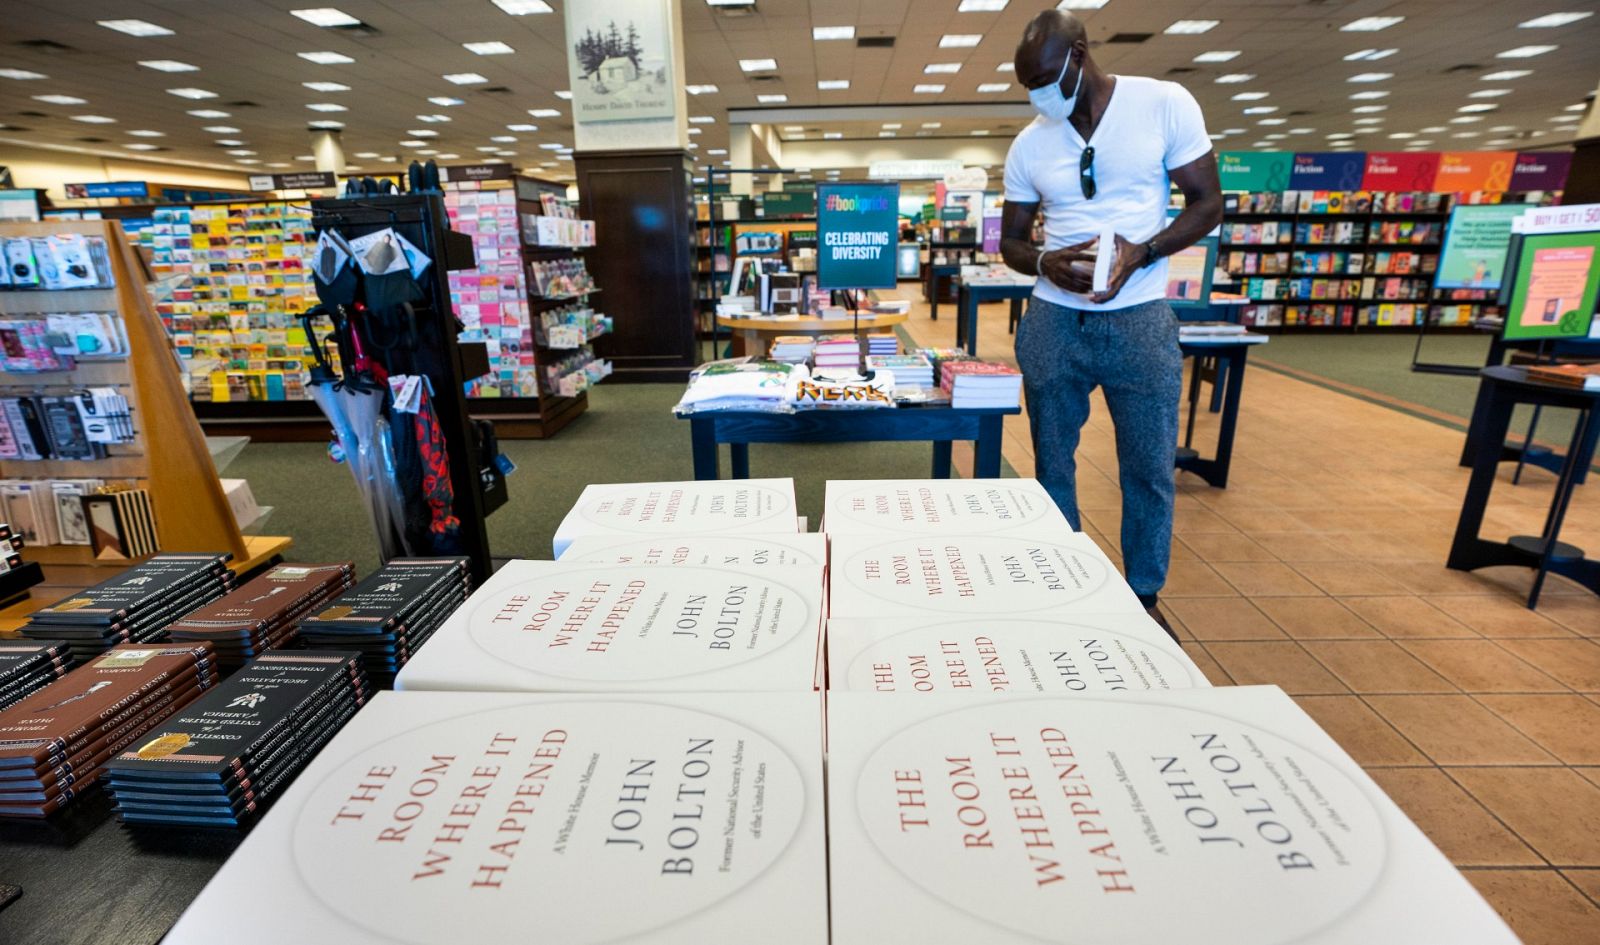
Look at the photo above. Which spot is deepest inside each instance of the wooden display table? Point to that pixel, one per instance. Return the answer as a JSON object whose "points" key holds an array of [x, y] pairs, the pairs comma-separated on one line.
{"points": [[753, 335]]}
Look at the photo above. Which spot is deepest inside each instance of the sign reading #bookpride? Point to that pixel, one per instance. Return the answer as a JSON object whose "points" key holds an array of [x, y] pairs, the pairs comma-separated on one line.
{"points": [[858, 227]]}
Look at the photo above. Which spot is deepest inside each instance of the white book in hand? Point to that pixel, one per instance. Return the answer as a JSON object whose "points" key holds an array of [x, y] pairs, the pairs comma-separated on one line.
{"points": [[450, 817], [1089, 654], [549, 626], [1220, 816], [971, 576], [953, 506], [709, 507]]}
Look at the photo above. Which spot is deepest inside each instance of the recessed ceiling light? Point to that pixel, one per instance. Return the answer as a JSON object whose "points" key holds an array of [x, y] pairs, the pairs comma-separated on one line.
{"points": [[886, 134], [1367, 121], [426, 152], [1185, 27], [1081, 4], [465, 78], [168, 65], [367, 155], [545, 112], [694, 130], [326, 16], [229, 143], [1370, 24], [325, 58], [776, 99], [412, 143], [564, 94], [240, 152], [701, 120], [522, 7], [994, 87], [446, 101], [1464, 134], [192, 93], [1279, 136], [423, 133], [145, 133], [208, 113], [887, 126], [935, 68], [325, 124], [1250, 96], [94, 119], [326, 86], [1371, 77], [832, 85], [135, 27], [1465, 119], [21, 74], [433, 119], [446, 156], [716, 152], [1561, 118], [250, 161], [1234, 78], [933, 124], [488, 148], [552, 146], [1550, 20], [833, 135], [1217, 55], [504, 139], [326, 107], [1525, 52], [1369, 109], [1580, 107], [221, 129], [61, 99], [823, 33], [1260, 109], [1339, 135], [758, 65], [700, 89], [981, 6], [1488, 93], [1272, 121], [492, 48], [1478, 107], [1369, 95], [1233, 131], [1006, 67], [1402, 135], [135, 146], [927, 89], [960, 40], [1505, 75], [522, 127], [980, 132], [1368, 55]]}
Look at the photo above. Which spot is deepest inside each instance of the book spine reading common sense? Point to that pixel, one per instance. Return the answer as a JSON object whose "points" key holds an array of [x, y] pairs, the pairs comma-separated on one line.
{"points": [[121, 596], [265, 601]]}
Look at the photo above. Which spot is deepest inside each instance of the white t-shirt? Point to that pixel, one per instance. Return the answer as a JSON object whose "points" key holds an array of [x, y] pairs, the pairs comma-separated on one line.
{"points": [[1148, 127]]}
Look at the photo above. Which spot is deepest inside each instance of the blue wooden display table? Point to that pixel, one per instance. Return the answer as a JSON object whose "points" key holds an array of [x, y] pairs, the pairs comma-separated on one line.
{"points": [[969, 297], [940, 426]]}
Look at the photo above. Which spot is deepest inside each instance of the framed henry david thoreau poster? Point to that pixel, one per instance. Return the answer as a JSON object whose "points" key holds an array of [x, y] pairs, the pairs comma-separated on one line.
{"points": [[619, 60]]}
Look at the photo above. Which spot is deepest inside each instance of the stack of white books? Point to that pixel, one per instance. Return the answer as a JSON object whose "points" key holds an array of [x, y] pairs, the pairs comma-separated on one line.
{"points": [[792, 349], [711, 507]]}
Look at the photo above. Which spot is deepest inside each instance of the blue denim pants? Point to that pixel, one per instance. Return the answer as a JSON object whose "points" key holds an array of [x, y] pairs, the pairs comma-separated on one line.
{"points": [[1132, 353]]}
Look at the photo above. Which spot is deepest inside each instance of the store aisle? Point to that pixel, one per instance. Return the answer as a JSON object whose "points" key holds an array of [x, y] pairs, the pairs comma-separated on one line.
{"points": [[1320, 569]]}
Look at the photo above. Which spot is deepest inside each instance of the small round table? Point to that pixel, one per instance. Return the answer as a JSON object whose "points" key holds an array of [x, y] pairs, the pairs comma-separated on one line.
{"points": [[750, 330]]}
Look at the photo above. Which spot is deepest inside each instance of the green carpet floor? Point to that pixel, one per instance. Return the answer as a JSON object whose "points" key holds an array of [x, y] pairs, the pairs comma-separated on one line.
{"points": [[627, 435]]}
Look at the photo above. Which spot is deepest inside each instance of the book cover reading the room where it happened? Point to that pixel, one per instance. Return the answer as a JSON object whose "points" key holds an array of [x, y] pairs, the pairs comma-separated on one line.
{"points": [[475, 817], [923, 506], [1204, 816], [641, 509], [797, 548]]}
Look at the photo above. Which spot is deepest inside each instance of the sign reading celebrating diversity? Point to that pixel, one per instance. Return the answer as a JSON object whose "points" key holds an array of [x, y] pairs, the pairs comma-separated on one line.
{"points": [[857, 229]]}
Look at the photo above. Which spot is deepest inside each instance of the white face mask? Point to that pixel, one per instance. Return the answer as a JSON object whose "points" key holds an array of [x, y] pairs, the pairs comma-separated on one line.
{"points": [[1050, 101]]}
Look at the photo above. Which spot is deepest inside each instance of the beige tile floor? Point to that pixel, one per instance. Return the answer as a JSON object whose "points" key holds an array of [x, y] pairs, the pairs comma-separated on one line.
{"points": [[1321, 569]]}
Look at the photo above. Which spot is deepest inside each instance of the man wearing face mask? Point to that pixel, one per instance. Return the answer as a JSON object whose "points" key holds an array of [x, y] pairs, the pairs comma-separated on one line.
{"points": [[1101, 154]]}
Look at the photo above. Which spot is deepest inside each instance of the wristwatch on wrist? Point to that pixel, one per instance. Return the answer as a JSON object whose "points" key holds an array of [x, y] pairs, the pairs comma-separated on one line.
{"points": [[1151, 253]]}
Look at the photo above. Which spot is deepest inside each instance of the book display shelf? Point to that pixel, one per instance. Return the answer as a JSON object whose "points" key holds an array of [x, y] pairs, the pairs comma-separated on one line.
{"points": [[721, 218], [190, 507], [529, 301], [1341, 261]]}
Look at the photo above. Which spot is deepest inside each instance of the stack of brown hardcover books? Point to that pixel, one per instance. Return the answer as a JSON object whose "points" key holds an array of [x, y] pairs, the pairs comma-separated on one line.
{"points": [[135, 606], [265, 613], [53, 743], [26, 666], [1578, 376]]}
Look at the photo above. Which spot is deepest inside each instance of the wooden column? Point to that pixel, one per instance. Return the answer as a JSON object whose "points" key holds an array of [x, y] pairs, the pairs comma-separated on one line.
{"points": [[642, 206]]}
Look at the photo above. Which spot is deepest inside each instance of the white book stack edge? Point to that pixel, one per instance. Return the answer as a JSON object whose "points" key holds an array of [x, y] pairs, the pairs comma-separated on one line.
{"points": [[1201, 816], [941, 506], [476, 817], [741, 551], [711, 507], [550, 626]]}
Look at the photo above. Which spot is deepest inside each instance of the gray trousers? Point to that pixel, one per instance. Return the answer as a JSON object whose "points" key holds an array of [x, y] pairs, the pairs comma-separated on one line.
{"points": [[1132, 353]]}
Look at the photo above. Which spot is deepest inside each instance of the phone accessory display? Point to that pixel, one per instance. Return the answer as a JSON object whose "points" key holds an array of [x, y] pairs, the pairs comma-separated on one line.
{"points": [[65, 261]]}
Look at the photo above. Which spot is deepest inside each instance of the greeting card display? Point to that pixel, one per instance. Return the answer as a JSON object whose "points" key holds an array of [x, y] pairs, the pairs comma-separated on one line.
{"points": [[492, 817], [944, 506], [975, 576], [741, 551], [548, 626], [1201, 816], [714, 507], [1122, 653]]}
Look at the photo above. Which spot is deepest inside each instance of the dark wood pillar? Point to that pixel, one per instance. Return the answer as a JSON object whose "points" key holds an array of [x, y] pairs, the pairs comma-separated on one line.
{"points": [[1583, 181], [642, 206]]}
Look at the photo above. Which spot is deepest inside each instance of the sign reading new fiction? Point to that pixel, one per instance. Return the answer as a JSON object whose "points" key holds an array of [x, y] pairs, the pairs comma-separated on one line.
{"points": [[1395, 171], [857, 229]]}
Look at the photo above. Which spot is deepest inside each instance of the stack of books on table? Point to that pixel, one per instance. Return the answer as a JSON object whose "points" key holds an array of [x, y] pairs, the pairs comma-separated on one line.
{"points": [[217, 762], [1575, 376], [264, 613], [981, 384], [837, 352], [136, 606], [390, 615], [54, 742], [26, 666], [678, 510], [1015, 753], [793, 349], [910, 370], [1218, 332], [883, 344]]}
